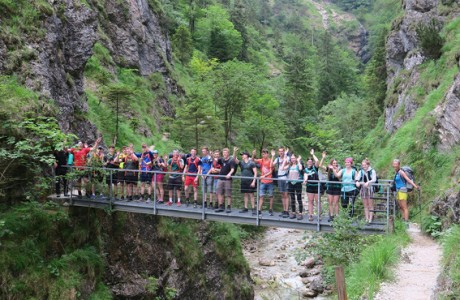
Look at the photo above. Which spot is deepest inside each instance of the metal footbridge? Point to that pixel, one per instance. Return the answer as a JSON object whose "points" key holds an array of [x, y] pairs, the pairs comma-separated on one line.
{"points": [[384, 207]]}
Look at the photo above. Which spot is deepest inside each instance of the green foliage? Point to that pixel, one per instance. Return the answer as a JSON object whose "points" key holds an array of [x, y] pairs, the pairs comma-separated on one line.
{"points": [[451, 263], [432, 225], [183, 44], [39, 258], [374, 263], [430, 39]]}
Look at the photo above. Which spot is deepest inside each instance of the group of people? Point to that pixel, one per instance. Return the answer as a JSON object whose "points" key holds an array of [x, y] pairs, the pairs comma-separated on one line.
{"points": [[133, 176]]}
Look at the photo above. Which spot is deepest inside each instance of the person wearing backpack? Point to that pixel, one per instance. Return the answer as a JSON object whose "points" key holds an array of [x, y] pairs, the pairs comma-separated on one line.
{"points": [[402, 184], [249, 182], [349, 190], [311, 172], [146, 163], [266, 181], [206, 164], [130, 165], [159, 165], [214, 173], [176, 165], [281, 175], [333, 190], [295, 171], [192, 169], [224, 183], [366, 177]]}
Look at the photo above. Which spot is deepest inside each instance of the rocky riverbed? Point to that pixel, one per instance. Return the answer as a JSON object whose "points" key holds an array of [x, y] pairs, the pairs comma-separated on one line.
{"points": [[276, 272]]}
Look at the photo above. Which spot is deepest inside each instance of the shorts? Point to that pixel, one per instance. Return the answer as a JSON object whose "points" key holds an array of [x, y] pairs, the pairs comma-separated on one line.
{"points": [[312, 189], [146, 177], [367, 192], [120, 176], [175, 183], [131, 177], [214, 185], [208, 184], [158, 178], [224, 187], [282, 184], [246, 187], [401, 196], [112, 176], [190, 180], [266, 188], [333, 192]]}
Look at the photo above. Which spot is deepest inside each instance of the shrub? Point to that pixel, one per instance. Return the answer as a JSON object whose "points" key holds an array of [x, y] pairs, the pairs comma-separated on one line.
{"points": [[430, 39]]}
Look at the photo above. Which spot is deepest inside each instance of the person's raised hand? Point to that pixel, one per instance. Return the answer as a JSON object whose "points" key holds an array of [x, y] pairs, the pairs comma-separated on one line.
{"points": [[272, 152], [312, 152], [324, 154]]}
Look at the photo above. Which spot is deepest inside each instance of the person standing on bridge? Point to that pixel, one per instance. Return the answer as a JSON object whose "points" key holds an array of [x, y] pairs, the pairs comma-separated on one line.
{"points": [[214, 172], [131, 164], [282, 179], [349, 190], [295, 173], [146, 162], [111, 175], [176, 165], [401, 191], [80, 154], [60, 171], [206, 164], [366, 177], [312, 174], [224, 183], [333, 188], [266, 183], [190, 177], [248, 184], [159, 165]]}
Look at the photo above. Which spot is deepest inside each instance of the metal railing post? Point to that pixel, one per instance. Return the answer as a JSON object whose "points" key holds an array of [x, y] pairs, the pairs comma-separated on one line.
{"points": [[154, 193], [318, 208], [203, 195], [257, 203], [111, 188], [71, 187], [388, 208]]}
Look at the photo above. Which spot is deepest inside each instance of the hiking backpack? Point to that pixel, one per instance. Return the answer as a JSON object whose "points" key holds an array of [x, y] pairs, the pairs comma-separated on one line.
{"points": [[410, 173]]}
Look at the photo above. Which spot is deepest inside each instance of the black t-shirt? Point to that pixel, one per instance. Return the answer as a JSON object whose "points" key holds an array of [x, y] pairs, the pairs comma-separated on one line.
{"points": [[61, 158], [109, 161], [227, 166]]}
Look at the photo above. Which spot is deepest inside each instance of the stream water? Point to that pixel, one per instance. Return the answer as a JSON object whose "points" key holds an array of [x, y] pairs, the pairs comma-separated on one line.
{"points": [[274, 268]]}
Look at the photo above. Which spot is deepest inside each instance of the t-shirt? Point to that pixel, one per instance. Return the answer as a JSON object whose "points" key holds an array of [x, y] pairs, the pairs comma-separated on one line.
{"points": [[146, 161], [156, 164], [312, 174], [80, 156], [206, 162], [399, 181], [174, 164], [61, 158], [193, 164], [348, 180], [278, 163], [108, 159], [217, 165], [247, 168], [265, 168], [227, 166], [122, 157], [294, 175]]}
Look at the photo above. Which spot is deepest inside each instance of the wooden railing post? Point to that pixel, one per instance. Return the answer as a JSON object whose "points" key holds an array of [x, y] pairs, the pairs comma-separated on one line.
{"points": [[340, 283]]}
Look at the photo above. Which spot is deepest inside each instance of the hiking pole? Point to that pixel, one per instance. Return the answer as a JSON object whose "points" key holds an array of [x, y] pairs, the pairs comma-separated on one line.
{"points": [[420, 202]]}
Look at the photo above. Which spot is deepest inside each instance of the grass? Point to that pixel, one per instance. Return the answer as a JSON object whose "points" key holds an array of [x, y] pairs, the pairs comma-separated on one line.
{"points": [[451, 264], [373, 267]]}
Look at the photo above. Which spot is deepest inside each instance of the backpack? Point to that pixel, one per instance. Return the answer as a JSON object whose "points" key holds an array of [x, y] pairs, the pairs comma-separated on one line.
{"points": [[410, 173], [176, 161], [375, 188], [195, 162]]}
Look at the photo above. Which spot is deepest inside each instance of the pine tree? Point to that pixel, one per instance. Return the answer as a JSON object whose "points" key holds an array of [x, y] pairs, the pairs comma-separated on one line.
{"points": [[183, 44]]}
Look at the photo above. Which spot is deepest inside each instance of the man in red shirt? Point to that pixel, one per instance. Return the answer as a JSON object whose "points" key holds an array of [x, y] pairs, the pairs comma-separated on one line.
{"points": [[80, 154], [266, 183]]}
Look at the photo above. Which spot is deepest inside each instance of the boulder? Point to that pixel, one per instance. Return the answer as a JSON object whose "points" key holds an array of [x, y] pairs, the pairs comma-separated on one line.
{"points": [[308, 293], [266, 262], [309, 262]]}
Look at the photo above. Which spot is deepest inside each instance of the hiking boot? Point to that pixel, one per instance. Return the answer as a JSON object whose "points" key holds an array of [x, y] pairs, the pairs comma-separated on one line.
{"points": [[270, 212], [195, 204], [299, 217], [229, 209], [220, 209], [292, 216], [244, 210]]}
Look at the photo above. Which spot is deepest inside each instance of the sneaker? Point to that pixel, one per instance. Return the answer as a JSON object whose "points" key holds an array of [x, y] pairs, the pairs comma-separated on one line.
{"points": [[148, 200], [330, 219], [210, 206], [229, 209], [310, 218], [66, 195], [244, 210], [160, 201], [299, 217], [281, 215], [220, 209], [286, 215], [292, 216], [260, 212], [80, 196], [253, 212], [195, 204], [206, 205], [122, 198], [187, 203], [58, 196], [216, 206], [270, 212], [101, 196], [169, 203], [131, 198], [178, 204], [93, 196]]}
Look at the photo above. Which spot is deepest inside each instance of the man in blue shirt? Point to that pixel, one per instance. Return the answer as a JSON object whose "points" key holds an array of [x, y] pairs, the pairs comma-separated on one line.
{"points": [[206, 164]]}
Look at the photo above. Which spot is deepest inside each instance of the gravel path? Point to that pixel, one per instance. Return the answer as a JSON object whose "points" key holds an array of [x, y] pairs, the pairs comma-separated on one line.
{"points": [[416, 274]]}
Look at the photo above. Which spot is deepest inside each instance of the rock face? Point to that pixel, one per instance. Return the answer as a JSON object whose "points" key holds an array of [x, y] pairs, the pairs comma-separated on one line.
{"points": [[130, 30], [403, 54], [448, 207], [141, 262]]}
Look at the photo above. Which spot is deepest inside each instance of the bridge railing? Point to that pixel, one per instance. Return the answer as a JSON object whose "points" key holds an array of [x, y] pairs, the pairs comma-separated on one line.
{"points": [[105, 178]]}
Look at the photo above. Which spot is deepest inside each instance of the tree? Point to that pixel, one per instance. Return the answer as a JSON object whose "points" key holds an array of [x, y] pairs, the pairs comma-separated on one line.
{"points": [[183, 44], [118, 96], [240, 20], [233, 84]]}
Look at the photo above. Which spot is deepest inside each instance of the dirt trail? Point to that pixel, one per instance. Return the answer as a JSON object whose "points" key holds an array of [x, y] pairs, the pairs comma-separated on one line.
{"points": [[416, 274]]}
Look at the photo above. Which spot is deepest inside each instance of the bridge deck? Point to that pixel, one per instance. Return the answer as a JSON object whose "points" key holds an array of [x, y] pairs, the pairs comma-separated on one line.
{"points": [[235, 216]]}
